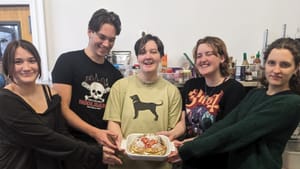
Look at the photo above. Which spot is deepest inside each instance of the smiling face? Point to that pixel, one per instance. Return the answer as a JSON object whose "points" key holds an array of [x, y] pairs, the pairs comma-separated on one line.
{"points": [[101, 42], [279, 68], [26, 69], [207, 60], [149, 58]]}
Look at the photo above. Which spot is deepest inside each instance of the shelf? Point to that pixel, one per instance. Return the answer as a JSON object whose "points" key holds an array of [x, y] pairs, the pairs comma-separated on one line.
{"points": [[250, 83]]}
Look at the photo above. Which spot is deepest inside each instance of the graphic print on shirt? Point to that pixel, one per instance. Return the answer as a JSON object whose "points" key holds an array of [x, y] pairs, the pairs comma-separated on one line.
{"points": [[138, 106], [201, 111], [97, 90]]}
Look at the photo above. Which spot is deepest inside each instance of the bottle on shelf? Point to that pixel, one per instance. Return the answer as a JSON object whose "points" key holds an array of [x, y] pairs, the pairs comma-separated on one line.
{"points": [[245, 60], [245, 71], [164, 63], [256, 73]]}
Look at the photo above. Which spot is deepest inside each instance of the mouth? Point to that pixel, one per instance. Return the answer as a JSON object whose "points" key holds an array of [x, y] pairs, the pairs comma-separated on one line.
{"points": [[204, 65], [275, 77], [148, 62], [102, 48]]}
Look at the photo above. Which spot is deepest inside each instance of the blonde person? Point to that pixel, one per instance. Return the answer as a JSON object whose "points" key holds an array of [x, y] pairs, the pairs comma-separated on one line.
{"points": [[124, 112], [32, 130], [256, 131]]}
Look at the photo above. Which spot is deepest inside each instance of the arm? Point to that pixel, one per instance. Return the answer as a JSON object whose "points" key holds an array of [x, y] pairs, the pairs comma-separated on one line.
{"points": [[23, 127], [101, 136], [177, 131], [225, 136]]}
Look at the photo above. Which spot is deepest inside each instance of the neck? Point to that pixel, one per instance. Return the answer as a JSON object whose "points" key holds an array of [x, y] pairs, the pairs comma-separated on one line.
{"points": [[148, 78], [273, 90], [214, 81], [93, 56], [24, 90]]}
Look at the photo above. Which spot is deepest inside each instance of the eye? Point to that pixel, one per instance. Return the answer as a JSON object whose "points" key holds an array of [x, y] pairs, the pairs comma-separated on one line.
{"points": [[32, 60], [18, 61], [103, 38], [271, 63], [284, 64], [142, 52], [199, 55], [154, 51], [209, 53]]}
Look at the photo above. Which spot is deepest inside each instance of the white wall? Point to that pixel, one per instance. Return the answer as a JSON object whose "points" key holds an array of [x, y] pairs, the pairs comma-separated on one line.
{"points": [[179, 24]]}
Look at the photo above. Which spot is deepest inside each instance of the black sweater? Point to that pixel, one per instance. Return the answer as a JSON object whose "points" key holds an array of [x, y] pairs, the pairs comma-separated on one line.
{"points": [[38, 141]]}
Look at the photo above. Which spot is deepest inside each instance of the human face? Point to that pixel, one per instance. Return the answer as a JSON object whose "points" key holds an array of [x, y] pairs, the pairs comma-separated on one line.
{"points": [[149, 58], [102, 41], [279, 68], [207, 61], [26, 69]]}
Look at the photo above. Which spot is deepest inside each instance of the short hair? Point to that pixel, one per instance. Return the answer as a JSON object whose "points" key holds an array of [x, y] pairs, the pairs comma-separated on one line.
{"points": [[219, 47], [140, 44], [8, 62], [101, 17]]}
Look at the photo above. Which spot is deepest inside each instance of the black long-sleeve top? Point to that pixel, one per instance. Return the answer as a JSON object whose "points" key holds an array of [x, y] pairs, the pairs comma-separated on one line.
{"points": [[38, 141]]}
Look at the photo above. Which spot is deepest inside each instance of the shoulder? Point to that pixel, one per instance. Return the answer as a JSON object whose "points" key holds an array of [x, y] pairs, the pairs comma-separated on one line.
{"points": [[49, 88], [198, 81], [112, 68], [233, 82], [71, 55]]}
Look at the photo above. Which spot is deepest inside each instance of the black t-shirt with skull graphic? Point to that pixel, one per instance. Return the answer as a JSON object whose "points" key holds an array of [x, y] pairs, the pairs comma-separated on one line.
{"points": [[206, 105], [90, 83]]}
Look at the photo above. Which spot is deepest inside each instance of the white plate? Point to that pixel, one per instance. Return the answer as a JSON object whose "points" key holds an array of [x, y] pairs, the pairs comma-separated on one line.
{"points": [[130, 138]]}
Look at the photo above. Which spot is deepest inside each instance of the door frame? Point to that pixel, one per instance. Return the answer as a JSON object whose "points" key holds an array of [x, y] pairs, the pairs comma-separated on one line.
{"points": [[37, 22]]}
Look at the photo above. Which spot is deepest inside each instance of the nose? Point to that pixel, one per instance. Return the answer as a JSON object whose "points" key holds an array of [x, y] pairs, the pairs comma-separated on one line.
{"points": [[106, 42], [277, 69], [26, 66]]}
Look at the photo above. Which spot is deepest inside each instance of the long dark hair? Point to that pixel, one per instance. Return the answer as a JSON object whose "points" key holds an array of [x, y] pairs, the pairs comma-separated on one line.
{"points": [[8, 62]]}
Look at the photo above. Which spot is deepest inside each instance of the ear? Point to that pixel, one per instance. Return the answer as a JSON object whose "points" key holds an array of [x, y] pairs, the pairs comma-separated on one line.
{"points": [[222, 58], [89, 32]]}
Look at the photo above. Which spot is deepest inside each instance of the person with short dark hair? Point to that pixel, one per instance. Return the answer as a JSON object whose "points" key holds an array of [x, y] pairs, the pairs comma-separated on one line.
{"points": [[84, 77], [145, 102]]}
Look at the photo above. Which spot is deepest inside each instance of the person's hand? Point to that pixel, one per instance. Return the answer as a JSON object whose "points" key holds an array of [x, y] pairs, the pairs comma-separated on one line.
{"points": [[110, 156], [166, 133], [174, 157], [177, 143], [107, 138]]}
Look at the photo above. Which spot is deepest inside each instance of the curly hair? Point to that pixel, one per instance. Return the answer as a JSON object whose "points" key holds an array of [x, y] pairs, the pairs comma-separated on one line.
{"points": [[294, 47]]}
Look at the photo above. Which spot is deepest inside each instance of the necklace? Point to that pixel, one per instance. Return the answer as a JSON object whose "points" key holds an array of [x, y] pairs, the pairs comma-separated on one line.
{"points": [[208, 94]]}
